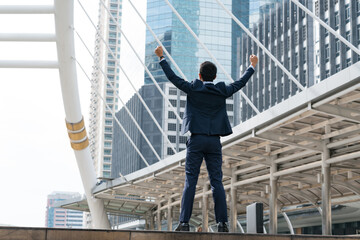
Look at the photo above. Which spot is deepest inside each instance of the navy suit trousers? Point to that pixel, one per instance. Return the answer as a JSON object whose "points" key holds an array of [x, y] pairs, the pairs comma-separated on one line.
{"points": [[201, 147]]}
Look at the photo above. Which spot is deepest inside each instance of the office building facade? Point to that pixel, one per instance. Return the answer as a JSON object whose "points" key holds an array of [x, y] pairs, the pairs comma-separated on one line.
{"points": [[306, 49], [60, 217]]}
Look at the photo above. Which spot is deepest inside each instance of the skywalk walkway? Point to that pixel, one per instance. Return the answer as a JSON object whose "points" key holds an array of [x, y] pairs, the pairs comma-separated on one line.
{"points": [[15, 233]]}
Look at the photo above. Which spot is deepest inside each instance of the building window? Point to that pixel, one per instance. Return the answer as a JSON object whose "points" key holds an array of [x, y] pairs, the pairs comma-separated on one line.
{"points": [[172, 127], [173, 102], [337, 46], [111, 63], [172, 91], [171, 115], [327, 74], [106, 167], [107, 159], [337, 68], [113, 27], [347, 13], [348, 62], [327, 52], [107, 144], [172, 139], [182, 103], [326, 6], [170, 151], [348, 36], [229, 107], [182, 139], [337, 20], [317, 8], [304, 33], [106, 174], [107, 151], [108, 122]]}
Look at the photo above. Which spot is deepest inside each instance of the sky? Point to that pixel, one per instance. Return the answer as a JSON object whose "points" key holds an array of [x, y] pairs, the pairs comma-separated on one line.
{"points": [[35, 154]]}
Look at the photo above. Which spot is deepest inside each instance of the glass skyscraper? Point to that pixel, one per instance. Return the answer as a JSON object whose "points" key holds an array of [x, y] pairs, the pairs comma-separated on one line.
{"points": [[209, 22]]}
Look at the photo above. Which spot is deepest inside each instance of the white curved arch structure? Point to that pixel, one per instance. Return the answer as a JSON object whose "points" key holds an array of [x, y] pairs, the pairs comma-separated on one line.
{"points": [[64, 16], [63, 11]]}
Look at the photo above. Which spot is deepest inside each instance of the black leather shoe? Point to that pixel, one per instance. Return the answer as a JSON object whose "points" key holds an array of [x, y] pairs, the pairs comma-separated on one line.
{"points": [[222, 227], [183, 227]]}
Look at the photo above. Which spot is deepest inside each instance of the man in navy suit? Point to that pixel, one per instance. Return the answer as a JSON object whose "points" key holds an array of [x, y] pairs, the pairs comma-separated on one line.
{"points": [[206, 119]]}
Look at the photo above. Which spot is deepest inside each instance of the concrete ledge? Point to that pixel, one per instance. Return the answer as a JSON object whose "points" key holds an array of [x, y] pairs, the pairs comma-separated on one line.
{"points": [[18, 233]]}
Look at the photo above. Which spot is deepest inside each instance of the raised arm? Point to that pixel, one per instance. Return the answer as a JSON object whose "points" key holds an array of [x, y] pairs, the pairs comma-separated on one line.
{"points": [[176, 80], [241, 82]]}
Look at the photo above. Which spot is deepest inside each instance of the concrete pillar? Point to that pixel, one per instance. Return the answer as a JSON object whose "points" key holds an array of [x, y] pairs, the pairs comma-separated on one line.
{"points": [[326, 188], [233, 204], [158, 217], [169, 216], [147, 222], [152, 223], [205, 209]]}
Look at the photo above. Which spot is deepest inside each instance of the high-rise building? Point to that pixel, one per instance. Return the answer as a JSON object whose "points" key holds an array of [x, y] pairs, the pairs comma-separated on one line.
{"points": [[126, 158], [101, 118], [306, 49], [331, 55], [60, 217]]}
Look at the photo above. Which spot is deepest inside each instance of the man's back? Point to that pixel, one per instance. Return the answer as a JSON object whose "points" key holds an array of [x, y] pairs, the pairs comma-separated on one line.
{"points": [[205, 111]]}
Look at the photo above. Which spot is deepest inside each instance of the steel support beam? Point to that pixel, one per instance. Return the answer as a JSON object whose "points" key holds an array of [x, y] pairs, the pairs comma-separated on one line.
{"points": [[233, 203], [326, 188], [205, 209], [347, 113], [291, 140]]}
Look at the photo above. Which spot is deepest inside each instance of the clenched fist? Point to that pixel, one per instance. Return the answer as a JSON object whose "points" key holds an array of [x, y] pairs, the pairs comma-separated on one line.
{"points": [[253, 60], [159, 51]]}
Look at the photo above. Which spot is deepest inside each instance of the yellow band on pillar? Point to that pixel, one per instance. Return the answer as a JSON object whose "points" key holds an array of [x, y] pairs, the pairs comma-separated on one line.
{"points": [[80, 145], [75, 126], [77, 136]]}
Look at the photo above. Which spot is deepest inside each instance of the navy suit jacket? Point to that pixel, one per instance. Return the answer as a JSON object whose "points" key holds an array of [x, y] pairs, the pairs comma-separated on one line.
{"points": [[205, 110]]}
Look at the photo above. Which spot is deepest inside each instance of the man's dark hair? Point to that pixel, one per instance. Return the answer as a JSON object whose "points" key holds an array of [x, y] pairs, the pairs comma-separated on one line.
{"points": [[208, 71]]}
